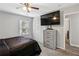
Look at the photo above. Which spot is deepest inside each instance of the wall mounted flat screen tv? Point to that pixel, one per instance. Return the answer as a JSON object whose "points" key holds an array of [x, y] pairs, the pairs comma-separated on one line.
{"points": [[52, 18]]}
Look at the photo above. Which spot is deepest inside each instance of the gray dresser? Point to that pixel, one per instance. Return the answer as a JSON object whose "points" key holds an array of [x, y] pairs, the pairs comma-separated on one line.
{"points": [[49, 37]]}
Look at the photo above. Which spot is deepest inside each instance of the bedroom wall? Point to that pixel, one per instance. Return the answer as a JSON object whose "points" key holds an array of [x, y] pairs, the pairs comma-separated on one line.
{"points": [[38, 29], [9, 24]]}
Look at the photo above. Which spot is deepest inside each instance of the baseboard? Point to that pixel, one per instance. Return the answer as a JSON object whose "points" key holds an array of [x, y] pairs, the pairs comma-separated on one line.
{"points": [[61, 47], [74, 45]]}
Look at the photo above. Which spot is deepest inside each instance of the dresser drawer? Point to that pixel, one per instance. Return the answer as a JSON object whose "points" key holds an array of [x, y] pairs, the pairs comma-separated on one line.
{"points": [[47, 41], [50, 37], [49, 45]]}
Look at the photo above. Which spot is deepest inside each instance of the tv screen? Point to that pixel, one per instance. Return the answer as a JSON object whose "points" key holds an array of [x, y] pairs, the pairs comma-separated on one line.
{"points": [[51, 18]]}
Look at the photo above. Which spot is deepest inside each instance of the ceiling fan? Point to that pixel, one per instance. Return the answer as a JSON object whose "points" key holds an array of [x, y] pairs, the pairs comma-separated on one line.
{"points": [[28, 7]]}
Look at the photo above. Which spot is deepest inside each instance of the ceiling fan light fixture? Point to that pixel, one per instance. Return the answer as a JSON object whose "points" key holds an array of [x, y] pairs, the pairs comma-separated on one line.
{"points": [[29, 9], [24, 8]]}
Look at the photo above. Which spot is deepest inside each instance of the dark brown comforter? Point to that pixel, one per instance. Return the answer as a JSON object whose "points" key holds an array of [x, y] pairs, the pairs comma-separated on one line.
{"points": [[19, 46]]}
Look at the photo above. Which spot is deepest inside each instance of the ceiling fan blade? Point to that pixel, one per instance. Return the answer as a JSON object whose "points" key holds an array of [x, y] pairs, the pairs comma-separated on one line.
{"points": [[35, 8], [18, 7], [25, 4]]}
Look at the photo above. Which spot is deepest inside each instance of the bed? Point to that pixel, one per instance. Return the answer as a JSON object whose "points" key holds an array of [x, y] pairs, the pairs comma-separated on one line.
{"points": [[19, 46]]}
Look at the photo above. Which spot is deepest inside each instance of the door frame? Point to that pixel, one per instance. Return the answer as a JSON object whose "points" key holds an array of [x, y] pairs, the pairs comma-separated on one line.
{"points": [[75, 12]]}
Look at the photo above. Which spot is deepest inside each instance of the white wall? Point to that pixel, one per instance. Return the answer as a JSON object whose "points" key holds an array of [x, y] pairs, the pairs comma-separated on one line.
{"points": [[74, 29], [9, 24], [38, 29]]}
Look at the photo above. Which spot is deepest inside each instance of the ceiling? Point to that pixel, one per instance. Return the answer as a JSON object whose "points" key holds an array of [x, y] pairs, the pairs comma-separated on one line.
{"points": [[43, 8]]}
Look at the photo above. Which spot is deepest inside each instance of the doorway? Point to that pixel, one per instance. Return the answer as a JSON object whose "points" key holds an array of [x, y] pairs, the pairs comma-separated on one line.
{"points": [[67, 31], [71, 33]]}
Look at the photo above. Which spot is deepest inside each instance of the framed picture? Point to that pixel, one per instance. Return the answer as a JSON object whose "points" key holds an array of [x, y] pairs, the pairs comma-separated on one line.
{"points": [[24, 27]]}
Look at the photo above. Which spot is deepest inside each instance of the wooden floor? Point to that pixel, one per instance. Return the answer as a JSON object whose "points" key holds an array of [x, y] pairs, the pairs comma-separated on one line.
{"points": [[69, 51], [57, 52], [72, 49]]}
